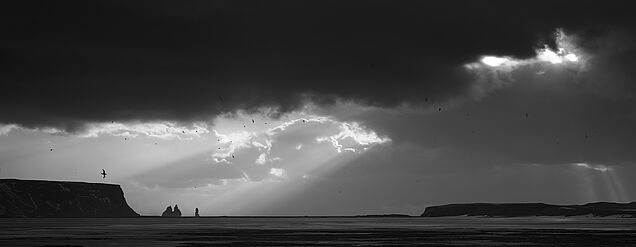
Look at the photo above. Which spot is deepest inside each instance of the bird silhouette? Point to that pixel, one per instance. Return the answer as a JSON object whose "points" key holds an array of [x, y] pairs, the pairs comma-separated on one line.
{"points": [[440, 109], [526, 115], [252, 120], [51, 150], [103, 173], [232, 156]]}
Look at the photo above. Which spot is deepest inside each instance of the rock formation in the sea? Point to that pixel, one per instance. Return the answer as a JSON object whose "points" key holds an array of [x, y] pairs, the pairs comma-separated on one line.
{"points": [[170, 212], [176, 212], [39, 198], [600, 209], [196, 212], [167, 212]]}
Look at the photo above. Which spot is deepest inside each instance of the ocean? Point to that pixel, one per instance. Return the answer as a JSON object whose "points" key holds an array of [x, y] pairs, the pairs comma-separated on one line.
{"points": [[318, 231]]}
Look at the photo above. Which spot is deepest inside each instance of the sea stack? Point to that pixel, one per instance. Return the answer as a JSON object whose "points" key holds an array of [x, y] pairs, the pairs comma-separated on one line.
{"points": [[176, 212], [170, 212], [167, 212]]}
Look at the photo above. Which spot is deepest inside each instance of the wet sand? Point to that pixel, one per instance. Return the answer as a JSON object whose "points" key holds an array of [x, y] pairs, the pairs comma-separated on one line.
{"points": [[324, 231]]}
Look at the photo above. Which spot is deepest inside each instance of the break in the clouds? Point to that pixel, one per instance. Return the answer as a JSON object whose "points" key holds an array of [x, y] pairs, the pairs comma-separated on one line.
{"points": [[251, 153], [315, 129], [494, 72], [162, 130]]}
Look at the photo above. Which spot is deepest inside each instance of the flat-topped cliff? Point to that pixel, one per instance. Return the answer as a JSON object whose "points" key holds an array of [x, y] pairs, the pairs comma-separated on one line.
{"points": [[532, 209], [40, 198]]}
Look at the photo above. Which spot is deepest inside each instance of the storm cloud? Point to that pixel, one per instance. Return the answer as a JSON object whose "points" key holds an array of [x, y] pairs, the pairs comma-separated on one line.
{"points": [[66, 64]]}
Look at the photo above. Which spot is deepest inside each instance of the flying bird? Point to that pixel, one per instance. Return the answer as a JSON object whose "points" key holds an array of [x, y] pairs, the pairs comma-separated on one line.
{"points": [[526, 115], [103, 173], [51, 150], [440, 109], [232, 156], [252, 120]]}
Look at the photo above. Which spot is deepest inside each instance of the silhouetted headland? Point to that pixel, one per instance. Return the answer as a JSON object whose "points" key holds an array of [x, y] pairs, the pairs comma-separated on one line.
{"points": [[40, 198], [598, 209]]}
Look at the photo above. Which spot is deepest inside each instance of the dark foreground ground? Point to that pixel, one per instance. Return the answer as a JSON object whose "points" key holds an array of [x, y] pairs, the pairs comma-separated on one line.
{"points": [[413, 231]]}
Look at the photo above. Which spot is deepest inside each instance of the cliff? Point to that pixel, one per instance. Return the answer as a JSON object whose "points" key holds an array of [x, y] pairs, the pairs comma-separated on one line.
{"points": [[38, 198], [531, 209]]}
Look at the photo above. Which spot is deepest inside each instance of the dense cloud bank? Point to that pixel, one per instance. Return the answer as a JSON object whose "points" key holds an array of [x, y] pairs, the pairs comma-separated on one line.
{"points": [[66, 64]]}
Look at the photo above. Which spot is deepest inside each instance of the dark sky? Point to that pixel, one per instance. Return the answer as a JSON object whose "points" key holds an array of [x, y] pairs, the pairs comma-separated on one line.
{"points": [[409, 74], [66, 63]]}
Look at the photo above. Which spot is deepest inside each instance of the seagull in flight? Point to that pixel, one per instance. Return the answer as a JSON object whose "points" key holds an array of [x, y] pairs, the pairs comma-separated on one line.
{"points": [[103, 173]]}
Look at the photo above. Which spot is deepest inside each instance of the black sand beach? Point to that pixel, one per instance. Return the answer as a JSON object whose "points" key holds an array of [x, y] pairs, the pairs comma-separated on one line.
{"points": [[319, 231]]}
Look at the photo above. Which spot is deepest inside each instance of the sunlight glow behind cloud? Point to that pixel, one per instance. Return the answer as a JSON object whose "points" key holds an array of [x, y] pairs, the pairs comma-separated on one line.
{"points": [[494, 61], [352, 134], [5, 129], [565, 53], [496, 72], [352, 131], [556, 57], [600, 168], [278, 173], [162, 130]]}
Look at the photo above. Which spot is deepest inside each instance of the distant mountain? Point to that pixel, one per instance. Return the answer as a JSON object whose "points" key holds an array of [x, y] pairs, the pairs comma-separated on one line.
{"points": [[600, 209], [38, 198]]}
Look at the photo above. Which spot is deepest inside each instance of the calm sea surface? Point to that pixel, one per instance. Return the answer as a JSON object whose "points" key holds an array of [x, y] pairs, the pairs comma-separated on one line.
{"points": [[412, 231]]}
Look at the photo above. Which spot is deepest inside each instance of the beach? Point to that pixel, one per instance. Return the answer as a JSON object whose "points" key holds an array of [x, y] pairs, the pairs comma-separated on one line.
{"points": [[318, 231]]}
